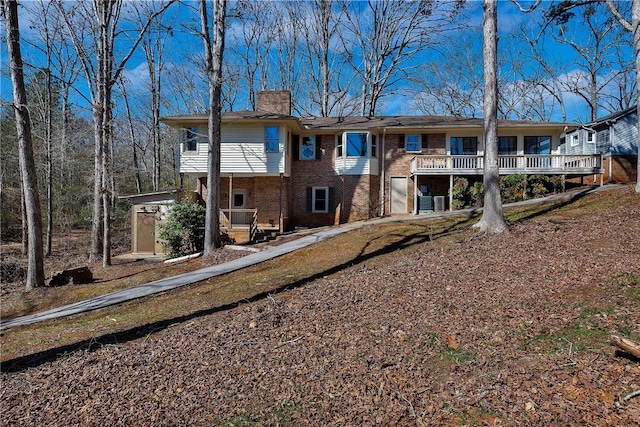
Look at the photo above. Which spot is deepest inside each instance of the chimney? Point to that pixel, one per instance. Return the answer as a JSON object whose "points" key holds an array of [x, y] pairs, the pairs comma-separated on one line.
{"points": [[275, 101]]}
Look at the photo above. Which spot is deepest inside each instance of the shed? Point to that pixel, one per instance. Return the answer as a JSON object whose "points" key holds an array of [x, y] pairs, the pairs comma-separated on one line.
{"points": [[148, 213]]}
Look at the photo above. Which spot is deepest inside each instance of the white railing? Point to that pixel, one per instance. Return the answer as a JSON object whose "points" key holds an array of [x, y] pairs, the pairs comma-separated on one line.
{"points": [[526, 163]]}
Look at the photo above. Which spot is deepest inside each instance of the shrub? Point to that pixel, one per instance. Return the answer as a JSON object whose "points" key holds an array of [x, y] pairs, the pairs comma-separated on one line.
{"points": [[477, 194], [512, 188], [183, 231], [460, 192]]}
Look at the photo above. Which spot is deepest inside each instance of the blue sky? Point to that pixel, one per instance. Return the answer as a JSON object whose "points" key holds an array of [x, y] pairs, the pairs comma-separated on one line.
{"points": [[510, 19]]}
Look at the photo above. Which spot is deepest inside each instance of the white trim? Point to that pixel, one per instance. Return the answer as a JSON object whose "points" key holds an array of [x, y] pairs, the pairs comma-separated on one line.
{"points": [[313, 200]]}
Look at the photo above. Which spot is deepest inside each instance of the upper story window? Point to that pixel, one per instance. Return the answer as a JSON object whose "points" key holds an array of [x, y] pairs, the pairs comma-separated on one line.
{"points": [[271, 139], [356, 144], [464, 145], [507, 145], [308, 148], [575, 139], [537, 145], [413, 144], [374, 146], [590, 138], [190, 139]]}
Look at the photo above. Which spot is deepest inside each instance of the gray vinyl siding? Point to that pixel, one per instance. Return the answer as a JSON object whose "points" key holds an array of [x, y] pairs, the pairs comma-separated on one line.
{"points": [[602, 141], [583, 147], [626, 136]]}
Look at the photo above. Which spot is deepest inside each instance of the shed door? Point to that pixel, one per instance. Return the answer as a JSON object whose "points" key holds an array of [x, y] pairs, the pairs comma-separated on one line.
{"points": [[398, 196], [146, 232]]}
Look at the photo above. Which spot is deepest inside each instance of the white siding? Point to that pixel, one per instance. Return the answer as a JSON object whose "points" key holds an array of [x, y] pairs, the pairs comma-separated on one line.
{"points": [[356, 166], [242, 152]]}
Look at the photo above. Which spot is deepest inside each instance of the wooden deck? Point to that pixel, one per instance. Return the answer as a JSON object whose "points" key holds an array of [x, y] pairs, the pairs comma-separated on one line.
{"points": [[530, 164]]}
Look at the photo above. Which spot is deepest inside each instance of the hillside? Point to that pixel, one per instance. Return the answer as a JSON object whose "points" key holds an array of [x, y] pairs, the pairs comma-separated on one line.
{"points": [[439, 327]]}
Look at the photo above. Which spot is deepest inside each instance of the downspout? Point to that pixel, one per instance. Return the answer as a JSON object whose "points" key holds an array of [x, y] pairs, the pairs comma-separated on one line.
{"points": [[382, 178], [611, 138]]}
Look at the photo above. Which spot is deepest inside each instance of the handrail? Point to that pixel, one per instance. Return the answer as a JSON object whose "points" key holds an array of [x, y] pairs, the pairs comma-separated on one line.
{"points": [[253, 227], [242, 218], [538, 163]]}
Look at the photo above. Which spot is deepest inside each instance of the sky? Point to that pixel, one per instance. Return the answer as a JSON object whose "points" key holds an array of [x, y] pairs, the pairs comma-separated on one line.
{"points": [[510, 18]]}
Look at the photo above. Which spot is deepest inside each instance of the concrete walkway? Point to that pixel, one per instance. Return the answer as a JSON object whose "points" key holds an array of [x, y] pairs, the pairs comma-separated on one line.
{"points": [[249, 260]]}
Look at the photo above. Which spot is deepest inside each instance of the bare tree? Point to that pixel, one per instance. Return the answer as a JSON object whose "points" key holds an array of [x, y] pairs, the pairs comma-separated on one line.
{"points": [[383, 38], [214, 49], [634, 27], [562, 13], [451, 84], [94, 27], [326, 80], [255, 38], [548, 70], [35, 268], [492, 217], [132, 136], [154, 44]]}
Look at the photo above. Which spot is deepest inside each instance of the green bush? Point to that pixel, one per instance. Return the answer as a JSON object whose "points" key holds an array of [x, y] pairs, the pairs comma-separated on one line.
{"points": [[477, 194], [183, 231], [460, 192], [512, 188]]}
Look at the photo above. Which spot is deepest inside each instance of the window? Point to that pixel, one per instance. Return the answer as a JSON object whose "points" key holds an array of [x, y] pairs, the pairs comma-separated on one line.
{"points": [[590, 138], [575, 140], [271, 139], [339, 147], [507, 145], [191, 139], [413, 143], [356, 144], [467, 145], [308, 148], [374, 146], [320, 200], [537, 145]]}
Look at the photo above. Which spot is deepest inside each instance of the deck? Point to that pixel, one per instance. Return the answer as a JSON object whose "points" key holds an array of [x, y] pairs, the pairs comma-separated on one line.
{"points": [[530, 164]]}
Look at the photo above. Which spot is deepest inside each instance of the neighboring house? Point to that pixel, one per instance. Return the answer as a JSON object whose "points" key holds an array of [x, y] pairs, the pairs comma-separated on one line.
{"points": [[280, 172], [616, 138]]}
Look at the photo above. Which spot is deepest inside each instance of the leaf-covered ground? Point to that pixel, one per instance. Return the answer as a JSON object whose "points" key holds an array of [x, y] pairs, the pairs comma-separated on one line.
{"points": [[504, 330]]}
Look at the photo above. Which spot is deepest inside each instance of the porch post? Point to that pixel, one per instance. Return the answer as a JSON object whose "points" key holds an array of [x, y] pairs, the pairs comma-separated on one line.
{"points": [[415, 194], [280, 220], [230, 200], [451, 193]]}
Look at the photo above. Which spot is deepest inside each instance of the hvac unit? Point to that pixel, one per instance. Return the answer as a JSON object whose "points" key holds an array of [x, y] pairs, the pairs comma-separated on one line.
{"points": [[438, 203]]}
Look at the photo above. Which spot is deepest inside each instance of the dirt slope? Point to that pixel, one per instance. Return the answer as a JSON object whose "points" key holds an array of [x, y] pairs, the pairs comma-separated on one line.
{"points": [[429, 335]]}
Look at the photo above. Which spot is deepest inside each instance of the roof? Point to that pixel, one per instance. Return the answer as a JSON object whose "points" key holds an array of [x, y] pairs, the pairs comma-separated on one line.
{"points": [[227, 116], [412, 122], [615, 116], [361, 122]]}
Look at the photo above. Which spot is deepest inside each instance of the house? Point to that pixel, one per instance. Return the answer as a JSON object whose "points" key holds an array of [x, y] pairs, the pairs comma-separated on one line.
{"points": [[279, 171], [616, 138]]}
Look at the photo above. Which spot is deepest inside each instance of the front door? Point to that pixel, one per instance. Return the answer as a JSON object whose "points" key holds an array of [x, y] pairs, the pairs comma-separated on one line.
{"points": [[145, 232], [398, 196], [239, 201]]}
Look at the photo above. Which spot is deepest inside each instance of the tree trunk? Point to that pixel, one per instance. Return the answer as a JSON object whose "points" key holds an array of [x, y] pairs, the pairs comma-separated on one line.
{"points": [[492, 217], [214, 54], [35, 269], [635, 23], [49, 137]]}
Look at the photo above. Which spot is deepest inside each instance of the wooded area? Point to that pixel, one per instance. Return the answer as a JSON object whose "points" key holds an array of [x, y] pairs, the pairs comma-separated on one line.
{"points": [[99, 75]]}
